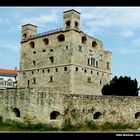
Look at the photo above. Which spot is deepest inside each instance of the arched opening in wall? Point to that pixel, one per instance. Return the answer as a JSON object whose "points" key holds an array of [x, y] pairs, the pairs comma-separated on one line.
{"points": [[68, 24], [55, 115], [97, 115], [94, 44], [76, 24], [137, 115], [24, 35], [9, 82], [16, 112], [1, 118], [51, 59], [84, 39], [46, 41], [32, 44], [61, 38]]}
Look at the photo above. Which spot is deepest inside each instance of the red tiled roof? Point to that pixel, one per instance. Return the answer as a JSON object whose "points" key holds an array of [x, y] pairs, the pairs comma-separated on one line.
{"points": [[7, 71]]}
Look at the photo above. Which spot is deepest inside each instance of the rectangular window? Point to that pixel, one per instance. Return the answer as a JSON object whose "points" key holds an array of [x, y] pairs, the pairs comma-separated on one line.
{"points": [[34, 80], [51, 79], [65, 69], [88, 61], [88, 79], [107, 65], [80, 48], [97, 64]]}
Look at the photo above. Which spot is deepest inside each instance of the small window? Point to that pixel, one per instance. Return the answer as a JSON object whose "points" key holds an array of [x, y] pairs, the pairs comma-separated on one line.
{"points": [[61, 38], [76, 24], [55, 115], [67, 46], [32, 72], [34, 52], [88, 61], [94, 44], [97, 73], [43, 50], [85, 71], [24, 35], [76, 68], [46, 41], [100, 82], [42, 71], [107, 65], [88, 79], [34, 80], [32, 44], [93, 61], [51, 79], [33, 63], [84, 39], [68, 24], [65, 69], [51, 59], [56, 69], [97, 64], [48, 70], [51, 50], [91, 72], [80, 48]]}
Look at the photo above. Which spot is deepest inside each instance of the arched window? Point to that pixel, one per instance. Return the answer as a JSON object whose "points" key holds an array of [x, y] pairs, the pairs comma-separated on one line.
{"points": [[51, 59], [97, 115], [9, 82], [68, 24], [24, 35], [61, 38], [76, 24], [1, 81], [84, 39], [32, 44], [94, 44], [55, 115], [46, 41], [16, 112], [137, 115]]}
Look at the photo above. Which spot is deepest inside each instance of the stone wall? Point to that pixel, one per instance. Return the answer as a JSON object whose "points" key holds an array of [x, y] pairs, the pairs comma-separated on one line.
{"points": [[52, 107]]}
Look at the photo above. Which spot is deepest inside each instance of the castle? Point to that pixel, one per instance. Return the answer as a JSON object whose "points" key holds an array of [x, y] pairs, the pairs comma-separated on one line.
{"points": [[61, 76], [65, 60]]}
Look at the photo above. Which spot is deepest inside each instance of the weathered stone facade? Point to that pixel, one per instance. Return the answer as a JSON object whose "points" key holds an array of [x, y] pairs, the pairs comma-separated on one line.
{"points": [[65, 60], [61, 76], [50, 107]]}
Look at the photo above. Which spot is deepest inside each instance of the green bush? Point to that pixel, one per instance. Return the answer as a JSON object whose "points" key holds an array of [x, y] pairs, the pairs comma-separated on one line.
{"points": [[109, 125], [91, 125]]}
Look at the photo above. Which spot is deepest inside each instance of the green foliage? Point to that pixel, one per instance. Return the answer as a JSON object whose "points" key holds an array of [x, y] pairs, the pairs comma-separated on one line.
{"points": [[109, 125], [91, 125], [122, 86]]}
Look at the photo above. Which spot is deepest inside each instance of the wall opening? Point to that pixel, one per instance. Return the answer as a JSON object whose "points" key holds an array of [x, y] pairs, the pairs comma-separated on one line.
{"points": [[46, 41], [51, 79], [76, 24], [137, 115], [51, 59], [32, 44], [97, 115], [34, 80], [56, 69], [55, 115], [84, 39], [65, 69], [33, 63], [61, 38], [24, 35], [68, 24], [28, 83], [94, 44], [16, 112]]}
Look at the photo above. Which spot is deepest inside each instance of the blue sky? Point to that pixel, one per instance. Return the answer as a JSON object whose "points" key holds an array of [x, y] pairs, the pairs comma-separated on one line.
{"points": [[117, 27]]}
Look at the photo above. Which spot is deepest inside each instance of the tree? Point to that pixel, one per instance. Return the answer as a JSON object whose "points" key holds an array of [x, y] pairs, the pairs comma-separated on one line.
{"points": [[122, 86]]}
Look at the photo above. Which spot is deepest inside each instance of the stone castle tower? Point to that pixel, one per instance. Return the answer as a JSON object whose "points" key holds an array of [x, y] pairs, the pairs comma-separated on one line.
{"points": [[65, 60]]}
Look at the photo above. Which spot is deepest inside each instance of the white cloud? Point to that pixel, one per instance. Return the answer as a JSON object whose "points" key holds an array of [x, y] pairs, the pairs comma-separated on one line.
{"points": [[42, 19], [127, 34]]}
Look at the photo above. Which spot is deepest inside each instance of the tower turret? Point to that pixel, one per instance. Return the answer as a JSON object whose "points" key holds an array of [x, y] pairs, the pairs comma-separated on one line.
{"points": [[71, 20], [27, 31]]}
